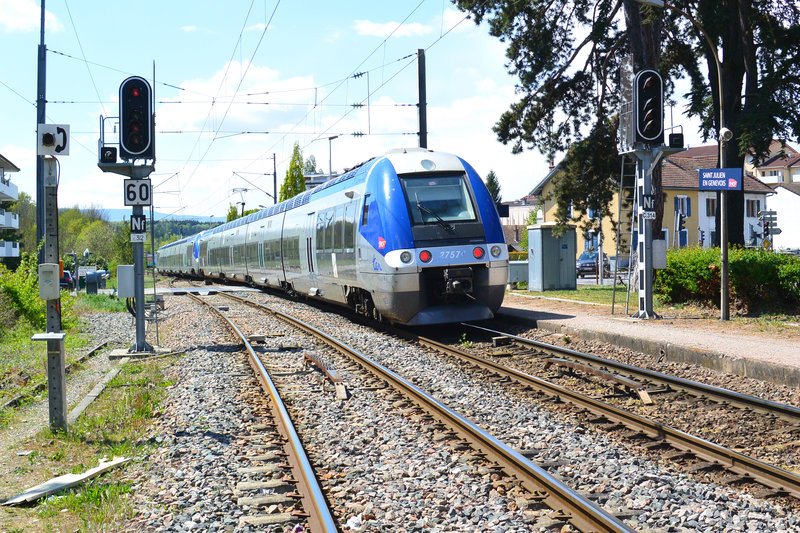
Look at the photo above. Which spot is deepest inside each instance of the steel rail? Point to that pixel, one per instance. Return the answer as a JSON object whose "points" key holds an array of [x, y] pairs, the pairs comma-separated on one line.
{"points": [[744, 401], [320, 518], [765, 474], [583, 513]]}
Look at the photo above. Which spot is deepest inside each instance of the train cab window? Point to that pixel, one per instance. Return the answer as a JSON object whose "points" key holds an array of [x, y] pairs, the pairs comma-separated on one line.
{"points": [[438, 199]]}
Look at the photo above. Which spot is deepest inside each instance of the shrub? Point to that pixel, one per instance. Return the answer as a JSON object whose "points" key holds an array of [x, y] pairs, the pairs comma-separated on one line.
{"points": [[21, 290], [759, 280], [517, 256]]}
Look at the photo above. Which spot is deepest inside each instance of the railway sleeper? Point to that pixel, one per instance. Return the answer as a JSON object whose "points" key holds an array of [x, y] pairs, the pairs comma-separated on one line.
{"points": [[704, 466]]}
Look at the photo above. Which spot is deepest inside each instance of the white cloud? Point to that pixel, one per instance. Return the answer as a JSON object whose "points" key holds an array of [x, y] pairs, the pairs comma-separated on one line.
{"points": [[25, 16], [189, 29], [256, 27], [377, 29]]}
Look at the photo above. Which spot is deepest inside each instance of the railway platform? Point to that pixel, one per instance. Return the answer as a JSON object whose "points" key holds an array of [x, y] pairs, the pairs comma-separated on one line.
{"points": [[766, 351]]}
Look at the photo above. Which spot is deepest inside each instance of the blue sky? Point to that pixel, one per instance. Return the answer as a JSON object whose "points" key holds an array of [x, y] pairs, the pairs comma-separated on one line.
{"points": [[224, 68]]}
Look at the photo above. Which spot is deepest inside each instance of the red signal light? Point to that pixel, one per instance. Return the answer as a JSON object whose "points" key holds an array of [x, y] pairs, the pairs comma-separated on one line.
{"points": [[136, 92], [478, 252], [425, 256]]}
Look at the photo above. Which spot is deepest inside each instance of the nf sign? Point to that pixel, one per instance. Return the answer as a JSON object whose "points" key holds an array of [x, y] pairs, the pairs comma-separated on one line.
{"points": [[138, 224], [648, 206], [720, 179]]}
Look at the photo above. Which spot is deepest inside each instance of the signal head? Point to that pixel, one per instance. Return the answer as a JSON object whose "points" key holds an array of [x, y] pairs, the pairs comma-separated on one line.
{"points": [[136, 119]]}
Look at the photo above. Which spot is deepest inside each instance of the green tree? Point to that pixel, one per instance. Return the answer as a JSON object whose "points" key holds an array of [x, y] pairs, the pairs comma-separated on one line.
{"points": [[233, 213], [294, 183], [523, 238], [568, 64], [122, 248], [494, 186]]}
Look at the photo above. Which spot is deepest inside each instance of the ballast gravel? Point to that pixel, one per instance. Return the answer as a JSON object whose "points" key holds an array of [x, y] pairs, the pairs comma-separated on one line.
{"points": [[385, 468], [653, 496]]}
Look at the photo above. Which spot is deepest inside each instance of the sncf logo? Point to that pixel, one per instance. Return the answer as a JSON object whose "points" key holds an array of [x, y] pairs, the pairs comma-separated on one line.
{"points": [[381, 243]]}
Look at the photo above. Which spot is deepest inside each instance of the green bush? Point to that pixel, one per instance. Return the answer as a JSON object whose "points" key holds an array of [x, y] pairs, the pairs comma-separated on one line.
{"points": [[759, 280], [517, 256], [21, 290]]}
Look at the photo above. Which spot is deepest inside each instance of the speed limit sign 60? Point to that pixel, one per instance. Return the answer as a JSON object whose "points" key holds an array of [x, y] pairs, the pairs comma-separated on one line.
{"points": [[138, 192]]}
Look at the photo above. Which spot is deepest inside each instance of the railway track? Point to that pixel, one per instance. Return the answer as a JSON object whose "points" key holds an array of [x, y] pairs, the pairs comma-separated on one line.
{"points": [[677, 445], [567, 504], [643, 380], [272, 452]]}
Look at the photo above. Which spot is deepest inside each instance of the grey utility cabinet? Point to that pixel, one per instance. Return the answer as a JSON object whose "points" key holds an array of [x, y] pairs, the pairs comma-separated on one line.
{"points": [[551, 259]]}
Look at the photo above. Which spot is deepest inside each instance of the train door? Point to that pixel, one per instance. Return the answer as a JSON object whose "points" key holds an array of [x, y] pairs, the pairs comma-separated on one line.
{"points": [[309, 249]]}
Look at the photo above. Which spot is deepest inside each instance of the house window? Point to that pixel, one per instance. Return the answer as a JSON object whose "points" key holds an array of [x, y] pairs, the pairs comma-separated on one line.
{"points": [[752, 208], [591, 242], [711, 207], [683, 205]]}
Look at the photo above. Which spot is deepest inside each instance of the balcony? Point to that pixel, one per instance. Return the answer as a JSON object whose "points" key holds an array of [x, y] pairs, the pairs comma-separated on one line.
{"points": [[9, 249], [8, 191], [8, 220]]}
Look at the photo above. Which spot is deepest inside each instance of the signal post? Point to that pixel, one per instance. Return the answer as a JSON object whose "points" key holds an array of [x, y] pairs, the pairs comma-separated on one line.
{"points": [[648, 122], [136, 142]]}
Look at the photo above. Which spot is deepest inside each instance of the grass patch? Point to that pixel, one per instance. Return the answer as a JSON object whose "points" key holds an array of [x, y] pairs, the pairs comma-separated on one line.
{"points": [[114, 425], [23, 362], [601, 294], [104, 303]]}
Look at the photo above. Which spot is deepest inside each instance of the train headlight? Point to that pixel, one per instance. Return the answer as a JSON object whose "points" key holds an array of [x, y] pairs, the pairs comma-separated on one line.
{"points": [[496, 250], [406, 257], [425, 256], [478, 252]]}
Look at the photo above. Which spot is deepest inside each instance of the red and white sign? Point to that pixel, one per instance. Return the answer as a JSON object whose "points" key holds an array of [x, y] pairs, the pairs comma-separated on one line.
{"points": [[381, 243]]}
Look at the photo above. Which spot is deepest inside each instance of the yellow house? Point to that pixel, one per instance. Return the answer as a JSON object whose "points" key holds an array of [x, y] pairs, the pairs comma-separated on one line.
{"points": [[681, 195]]}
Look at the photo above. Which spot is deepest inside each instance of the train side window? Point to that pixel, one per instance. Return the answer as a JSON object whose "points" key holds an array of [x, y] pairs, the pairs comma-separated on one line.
{"points": [[320, 231], [349, 237], [329, 229], [365, 210], [338, 229]]}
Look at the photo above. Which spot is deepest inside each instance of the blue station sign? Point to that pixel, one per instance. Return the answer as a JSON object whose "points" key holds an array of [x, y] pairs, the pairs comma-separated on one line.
{"points": [[720, 179]]}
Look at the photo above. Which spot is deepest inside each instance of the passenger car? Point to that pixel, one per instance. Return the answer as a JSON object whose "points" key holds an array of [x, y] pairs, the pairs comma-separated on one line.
{"points": [[411, 237], [586, 264], [66, 282]]}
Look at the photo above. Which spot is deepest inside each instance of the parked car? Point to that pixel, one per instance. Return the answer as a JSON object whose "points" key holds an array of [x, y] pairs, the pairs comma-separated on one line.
{"points": [[621, 263], [66, 281], [586, 264]]}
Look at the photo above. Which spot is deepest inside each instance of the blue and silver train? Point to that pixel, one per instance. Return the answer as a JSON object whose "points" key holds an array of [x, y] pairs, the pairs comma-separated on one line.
{"points": [[411, 237]]}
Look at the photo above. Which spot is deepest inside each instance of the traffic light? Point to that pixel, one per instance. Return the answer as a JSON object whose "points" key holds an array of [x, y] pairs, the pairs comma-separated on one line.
{"points": [[136, 119], [649, 107], [766, 228], [681, 222]]}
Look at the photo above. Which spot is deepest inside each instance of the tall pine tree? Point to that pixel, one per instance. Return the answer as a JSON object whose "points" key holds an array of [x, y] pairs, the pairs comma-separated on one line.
{"points": [[295, 182], [494, 186]]}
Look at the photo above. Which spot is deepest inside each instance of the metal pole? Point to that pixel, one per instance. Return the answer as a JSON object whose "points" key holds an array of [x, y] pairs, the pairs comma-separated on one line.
{"points": [[274, 180], [138, 272], [423, 113], [330, 155], [41, 88], [644, 236], [56, 368]]}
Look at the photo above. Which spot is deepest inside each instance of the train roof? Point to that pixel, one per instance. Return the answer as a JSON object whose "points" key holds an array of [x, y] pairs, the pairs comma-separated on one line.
{"points": [[292, 203], [444, 160]]}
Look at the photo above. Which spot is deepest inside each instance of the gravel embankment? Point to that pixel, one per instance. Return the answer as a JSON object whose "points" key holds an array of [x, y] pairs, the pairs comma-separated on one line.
{"points": [[656, 496]]}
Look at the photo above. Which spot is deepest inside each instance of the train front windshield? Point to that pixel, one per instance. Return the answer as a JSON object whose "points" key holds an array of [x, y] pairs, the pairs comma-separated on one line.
{"points": [[438, 199]]}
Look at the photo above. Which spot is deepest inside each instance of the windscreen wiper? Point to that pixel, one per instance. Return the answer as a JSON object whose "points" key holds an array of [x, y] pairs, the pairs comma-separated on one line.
{"points": [[431, 212]]}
